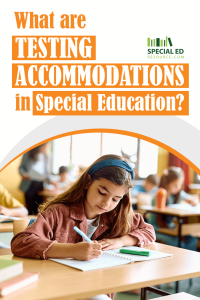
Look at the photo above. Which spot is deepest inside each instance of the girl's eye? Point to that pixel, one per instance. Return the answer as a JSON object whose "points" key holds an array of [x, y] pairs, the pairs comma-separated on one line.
{"points": [[115, 200], [101, 193]]}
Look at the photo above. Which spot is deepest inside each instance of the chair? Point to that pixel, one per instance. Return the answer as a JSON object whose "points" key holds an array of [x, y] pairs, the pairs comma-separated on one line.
{"points": [[20, 225]]}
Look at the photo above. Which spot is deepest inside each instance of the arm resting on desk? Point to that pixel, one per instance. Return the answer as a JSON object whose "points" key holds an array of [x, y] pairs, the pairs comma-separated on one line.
{"points": [[14, 212], [192, 199], [142, 231], [9, 205], [141, 234], [116, 243], [36, 239]]}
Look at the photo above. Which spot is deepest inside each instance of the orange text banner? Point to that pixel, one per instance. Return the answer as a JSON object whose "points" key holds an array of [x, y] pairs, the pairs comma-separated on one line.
{"points": [[53, 47], [100, 75], [110, 103]]}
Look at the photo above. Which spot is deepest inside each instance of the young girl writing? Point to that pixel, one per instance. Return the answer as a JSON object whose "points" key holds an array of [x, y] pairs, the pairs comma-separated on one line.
{"points": [[172, 181], [99, 204]]}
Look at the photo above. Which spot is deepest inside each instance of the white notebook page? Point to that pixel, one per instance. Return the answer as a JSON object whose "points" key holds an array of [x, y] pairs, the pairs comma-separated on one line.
{"points": [[105, 261]]}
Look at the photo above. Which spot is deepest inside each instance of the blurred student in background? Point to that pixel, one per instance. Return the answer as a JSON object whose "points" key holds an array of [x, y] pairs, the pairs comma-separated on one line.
{"points": [[150, 186], [64, 177], [9, 206], [35, 170], [172, 181]]}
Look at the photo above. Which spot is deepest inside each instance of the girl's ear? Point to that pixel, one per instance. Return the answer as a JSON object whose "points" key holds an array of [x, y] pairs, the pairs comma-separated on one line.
{"points": [[88, 182]]}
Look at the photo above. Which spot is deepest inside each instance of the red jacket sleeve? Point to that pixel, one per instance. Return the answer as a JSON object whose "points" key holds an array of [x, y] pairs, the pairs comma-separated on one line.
{"points": [[143, 232], [37, 238]]}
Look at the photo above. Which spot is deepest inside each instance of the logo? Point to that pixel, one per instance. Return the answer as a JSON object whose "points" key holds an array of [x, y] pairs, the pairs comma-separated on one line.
{"points": [[159, 43], [163, 49]]}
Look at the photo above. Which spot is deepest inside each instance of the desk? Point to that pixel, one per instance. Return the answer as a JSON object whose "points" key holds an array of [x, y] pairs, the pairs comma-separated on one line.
{"points": [[8, 227], [5, 252], [182, 229], [59, 282]]}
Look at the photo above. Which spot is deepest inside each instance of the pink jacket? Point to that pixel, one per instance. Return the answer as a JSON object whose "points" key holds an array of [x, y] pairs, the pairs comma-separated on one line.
{"points": [[56, 224]]}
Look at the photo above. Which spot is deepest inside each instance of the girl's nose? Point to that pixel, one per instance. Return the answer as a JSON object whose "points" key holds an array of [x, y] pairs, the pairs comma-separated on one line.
{"points": [[107, 201]]}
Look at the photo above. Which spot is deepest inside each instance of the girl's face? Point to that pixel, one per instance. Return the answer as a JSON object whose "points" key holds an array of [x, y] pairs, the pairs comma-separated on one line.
{"points": [[175, 186], [102, 196]]}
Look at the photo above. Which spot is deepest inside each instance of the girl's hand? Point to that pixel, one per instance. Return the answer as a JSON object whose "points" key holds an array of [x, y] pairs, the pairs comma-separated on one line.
{"points": [[194, 200], [4, 211], [86, 251], [109, 244]]}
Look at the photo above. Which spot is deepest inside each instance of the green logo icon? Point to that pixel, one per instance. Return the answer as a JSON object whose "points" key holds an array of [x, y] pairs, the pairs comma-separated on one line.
{"points": [[159, 43]]}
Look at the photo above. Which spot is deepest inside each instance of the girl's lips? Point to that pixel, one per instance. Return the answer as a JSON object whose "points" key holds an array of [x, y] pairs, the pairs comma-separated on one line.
{"points": [[101, 208]]}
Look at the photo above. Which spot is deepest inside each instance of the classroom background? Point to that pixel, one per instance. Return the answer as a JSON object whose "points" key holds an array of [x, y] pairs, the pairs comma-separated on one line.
{"points": [[78, 151]]}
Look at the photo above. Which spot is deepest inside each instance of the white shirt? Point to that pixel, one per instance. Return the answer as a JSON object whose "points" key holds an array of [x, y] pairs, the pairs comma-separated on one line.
{"points": [[92, 228]]}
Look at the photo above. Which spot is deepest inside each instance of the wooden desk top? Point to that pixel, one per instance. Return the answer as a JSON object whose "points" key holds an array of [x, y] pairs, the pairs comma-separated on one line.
{"points": [[170, 211], [8, 227], [5, 252], [61, 282]]}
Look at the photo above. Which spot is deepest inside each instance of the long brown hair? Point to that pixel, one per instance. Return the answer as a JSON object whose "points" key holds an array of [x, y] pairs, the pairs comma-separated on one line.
{"points": [[121, 216], [170, 174]]}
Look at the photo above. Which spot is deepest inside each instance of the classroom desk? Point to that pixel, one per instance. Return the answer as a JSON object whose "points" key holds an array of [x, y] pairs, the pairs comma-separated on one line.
{"points": [[8, 226], [181, 229], [59, 282], [5, 252]]}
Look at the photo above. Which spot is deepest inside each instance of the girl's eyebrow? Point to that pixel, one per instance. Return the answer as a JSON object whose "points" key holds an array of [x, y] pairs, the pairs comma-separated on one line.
{"points": [[103, 187]]}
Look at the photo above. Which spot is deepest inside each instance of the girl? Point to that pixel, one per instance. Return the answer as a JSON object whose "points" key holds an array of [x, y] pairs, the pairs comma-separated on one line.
{"points": [[99, 204], [172, 181], [36, 159]]}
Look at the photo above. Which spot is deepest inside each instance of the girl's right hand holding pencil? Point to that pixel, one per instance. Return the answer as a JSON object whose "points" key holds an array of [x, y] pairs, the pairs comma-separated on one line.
{"points": [[79, 251], [87, 251]]}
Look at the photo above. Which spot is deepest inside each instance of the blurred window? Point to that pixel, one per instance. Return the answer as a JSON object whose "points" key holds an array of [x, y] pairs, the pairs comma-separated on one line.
{"points": [[84, 149]]}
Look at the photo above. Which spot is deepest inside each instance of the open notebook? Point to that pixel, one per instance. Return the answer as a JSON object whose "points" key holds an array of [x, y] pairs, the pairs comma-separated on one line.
{"points": [[110, 258], [4, 218], [186, 206]]}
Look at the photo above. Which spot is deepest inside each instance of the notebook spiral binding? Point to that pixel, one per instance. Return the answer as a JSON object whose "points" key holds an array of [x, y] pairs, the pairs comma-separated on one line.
{"points": [[117, 255]]}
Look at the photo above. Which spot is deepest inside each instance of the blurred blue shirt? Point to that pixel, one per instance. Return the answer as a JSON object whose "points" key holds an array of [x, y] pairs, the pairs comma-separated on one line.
{"points": [[140, 189]]}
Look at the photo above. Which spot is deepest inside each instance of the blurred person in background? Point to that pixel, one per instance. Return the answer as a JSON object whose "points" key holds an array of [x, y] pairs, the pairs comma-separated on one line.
{"points": [[35, 171], [150, 185], [9, 206]]}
